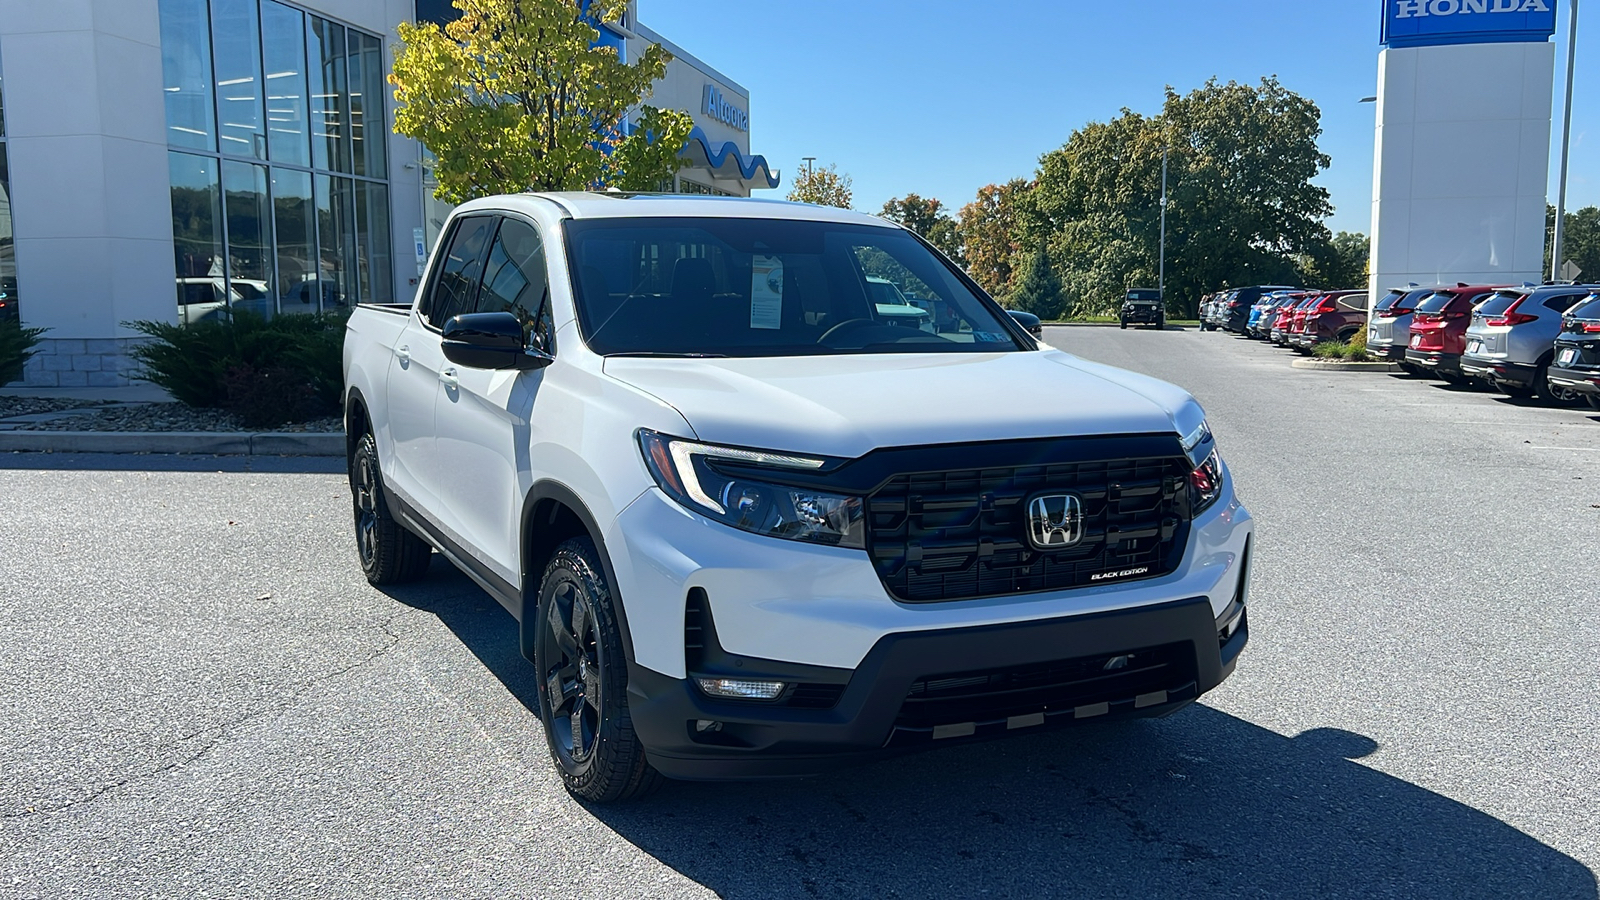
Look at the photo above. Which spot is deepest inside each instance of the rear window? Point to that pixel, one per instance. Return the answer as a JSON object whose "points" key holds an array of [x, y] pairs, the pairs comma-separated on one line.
{"points": [[1588, 309], [1499, 303], [1435, 302], [1390, 299]]}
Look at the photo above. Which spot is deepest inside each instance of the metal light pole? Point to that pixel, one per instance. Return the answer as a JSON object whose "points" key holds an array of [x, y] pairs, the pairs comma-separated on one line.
{"points": [[1566, 140], [1163, 285]]}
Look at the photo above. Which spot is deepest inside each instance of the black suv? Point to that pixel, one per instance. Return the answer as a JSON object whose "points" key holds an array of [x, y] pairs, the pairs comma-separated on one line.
{"points": [[1235, 315], [1576, 366], [1143, 306]]}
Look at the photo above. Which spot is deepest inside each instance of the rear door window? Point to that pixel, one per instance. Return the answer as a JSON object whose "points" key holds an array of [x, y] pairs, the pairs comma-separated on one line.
{"points": [[1562, 302]]}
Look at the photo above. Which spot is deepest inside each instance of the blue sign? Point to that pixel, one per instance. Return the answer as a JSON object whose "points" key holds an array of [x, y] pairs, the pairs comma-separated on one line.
{"points": [[1432, 23]]}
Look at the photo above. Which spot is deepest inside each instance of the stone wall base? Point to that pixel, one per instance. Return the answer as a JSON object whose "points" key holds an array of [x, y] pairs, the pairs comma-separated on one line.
{"points": [[70, 362]]}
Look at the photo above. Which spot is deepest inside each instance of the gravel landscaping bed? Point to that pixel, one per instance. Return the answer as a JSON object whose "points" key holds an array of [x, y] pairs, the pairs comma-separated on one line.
{"points": [[27, 406], [169, 417]]}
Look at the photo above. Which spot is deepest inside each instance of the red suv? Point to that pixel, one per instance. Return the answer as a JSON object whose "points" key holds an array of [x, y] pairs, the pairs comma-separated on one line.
{"points": [[1286, 316], [1439, 329], [1297, 322], [1336, 317]]}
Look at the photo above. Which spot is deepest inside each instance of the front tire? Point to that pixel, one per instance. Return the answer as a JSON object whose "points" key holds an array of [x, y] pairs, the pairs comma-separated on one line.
{"points": [[583, 681], [1124, 324], [389, 553]]}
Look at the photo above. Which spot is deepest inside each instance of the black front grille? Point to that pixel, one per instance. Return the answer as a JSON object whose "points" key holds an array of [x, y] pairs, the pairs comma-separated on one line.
{"points": [[958, 535], [1051, 687]]}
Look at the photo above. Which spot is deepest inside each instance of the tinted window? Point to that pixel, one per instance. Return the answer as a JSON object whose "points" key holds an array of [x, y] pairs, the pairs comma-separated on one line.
{"points": [[515, 281], [1499, 303], [1435, 302], [1561, 302], [1389, 299], [1588, 309], [1353, 302], [454, 292], [1144, 295], [756, 287]]}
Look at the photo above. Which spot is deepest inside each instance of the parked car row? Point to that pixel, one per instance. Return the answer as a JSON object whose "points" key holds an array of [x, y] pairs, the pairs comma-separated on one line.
{"points": [[1538, 341]]}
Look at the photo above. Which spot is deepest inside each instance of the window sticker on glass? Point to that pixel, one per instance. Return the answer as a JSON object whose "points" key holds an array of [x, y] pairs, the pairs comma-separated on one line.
{"points": [[766, 292]]}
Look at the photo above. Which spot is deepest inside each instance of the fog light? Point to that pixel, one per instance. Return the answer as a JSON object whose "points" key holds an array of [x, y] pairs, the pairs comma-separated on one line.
{"points": [[740, 688]]}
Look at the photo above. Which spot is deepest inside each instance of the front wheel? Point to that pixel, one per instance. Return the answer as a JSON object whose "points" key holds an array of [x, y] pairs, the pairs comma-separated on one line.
{"points": [[1124, 324], [583, 681], [389, 553]]}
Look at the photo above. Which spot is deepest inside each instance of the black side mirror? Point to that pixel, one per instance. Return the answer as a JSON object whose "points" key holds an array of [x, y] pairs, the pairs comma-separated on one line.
{"points": [[490, 341]]}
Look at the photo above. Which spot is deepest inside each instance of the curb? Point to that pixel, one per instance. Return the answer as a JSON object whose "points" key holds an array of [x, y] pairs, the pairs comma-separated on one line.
{"points": [[211, 443], [1318, 365]]}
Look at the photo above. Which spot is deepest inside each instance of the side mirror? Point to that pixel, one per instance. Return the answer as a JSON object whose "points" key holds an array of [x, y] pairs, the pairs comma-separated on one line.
{"points": [[490, 341]]}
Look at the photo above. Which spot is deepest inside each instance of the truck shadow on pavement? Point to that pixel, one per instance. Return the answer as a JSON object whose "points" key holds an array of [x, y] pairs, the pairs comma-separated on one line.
{"points": [[1202, 804]]}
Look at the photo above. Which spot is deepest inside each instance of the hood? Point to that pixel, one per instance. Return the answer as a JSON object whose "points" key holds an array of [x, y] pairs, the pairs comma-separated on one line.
{"points": [[847, 406]]}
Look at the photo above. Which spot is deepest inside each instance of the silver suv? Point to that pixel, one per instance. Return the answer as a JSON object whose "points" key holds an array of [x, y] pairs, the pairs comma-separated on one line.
{"points": [[1389, 326], [1510, 340]]}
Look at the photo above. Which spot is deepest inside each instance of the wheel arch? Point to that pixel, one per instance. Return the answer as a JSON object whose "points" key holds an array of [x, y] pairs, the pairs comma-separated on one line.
{"points": [[357, 421], [553, 513]]}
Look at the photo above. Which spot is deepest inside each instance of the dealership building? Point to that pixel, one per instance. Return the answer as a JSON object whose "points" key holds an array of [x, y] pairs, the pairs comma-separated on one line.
{"points": [[160, 159]]}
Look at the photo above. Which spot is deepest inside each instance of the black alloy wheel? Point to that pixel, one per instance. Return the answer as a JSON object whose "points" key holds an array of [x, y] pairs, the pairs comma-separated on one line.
{"points": [[583, 681], [389, 553]]}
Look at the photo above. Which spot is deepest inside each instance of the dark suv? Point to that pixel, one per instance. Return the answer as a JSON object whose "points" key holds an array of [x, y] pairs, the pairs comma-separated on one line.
{"points": [[1577, 351], [1235, 316], [1143, 306]]}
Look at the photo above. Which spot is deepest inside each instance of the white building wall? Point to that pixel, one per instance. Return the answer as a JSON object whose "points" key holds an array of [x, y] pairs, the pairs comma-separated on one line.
{"points": [[1462, 161], [86, 137]]}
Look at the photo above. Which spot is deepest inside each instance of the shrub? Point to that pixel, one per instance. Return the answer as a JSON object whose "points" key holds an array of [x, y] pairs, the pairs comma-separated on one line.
{"points": [[211, 363], [17, 346]]}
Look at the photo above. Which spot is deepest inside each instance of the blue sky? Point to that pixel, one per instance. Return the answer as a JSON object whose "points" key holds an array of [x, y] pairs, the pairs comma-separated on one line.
{"points": [[941, 98]]}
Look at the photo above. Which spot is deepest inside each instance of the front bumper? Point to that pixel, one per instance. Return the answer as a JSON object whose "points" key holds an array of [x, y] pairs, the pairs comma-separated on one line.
{"points": [[900, 697], [1584, 381], [1443, 363], [1141, 316]]}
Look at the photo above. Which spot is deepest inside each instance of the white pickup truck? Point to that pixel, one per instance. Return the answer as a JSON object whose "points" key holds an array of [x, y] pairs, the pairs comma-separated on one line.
{"points": [[752, 528]]}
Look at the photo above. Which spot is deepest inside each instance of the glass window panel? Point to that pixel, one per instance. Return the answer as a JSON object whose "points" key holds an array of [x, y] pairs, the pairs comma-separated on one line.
{"points": [[283, 33], [330, 139], [295, 226], [186, 74], [515, 281], [457, 284], [335, 240], [366, 102], [241, 125], [244, 190], [2, 102], [8, 257], [375, 258], [197, 235]]}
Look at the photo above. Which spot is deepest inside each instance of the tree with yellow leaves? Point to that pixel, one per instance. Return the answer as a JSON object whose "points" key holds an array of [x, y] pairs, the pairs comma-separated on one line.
{"points": [[516, 95]]}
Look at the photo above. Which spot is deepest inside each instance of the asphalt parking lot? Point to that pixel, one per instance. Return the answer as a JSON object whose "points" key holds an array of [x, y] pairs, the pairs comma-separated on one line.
{"points": [[202, 697]]}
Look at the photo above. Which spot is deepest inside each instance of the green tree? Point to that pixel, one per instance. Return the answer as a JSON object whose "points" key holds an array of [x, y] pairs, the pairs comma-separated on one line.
{"points": [[824, 187], [991, 237], [514, 95], [1242, 206], [1039, 289], [1340, 264], [1580, 241], [927, 217]]}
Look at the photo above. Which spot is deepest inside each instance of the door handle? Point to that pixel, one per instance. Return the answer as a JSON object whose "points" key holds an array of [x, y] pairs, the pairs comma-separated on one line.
{"points": [[403, 354], [450, 378]]}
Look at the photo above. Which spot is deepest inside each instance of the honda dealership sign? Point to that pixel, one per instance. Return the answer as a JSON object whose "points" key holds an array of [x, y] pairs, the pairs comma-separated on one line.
{"points": [[1432, 23]]}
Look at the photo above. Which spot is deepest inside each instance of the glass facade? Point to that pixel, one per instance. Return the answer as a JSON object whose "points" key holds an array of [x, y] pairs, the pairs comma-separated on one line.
{"points": [[277, 134], [8, 256]]}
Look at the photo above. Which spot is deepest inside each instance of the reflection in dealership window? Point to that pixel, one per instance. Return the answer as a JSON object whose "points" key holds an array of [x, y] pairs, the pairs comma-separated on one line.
{"points": [[283, 41], [244, 189], [8, 257], [196, 231], [186, 70]]}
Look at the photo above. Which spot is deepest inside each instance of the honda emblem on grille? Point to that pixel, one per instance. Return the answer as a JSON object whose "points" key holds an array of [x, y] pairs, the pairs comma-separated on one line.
{"points": [[1055, 521]]}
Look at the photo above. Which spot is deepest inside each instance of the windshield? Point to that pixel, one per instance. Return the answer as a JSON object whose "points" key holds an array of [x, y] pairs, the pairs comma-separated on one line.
{"points": [[1152, 296], [761, 287]]}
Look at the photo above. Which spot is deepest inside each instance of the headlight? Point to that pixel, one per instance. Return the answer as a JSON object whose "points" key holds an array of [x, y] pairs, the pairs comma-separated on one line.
{"points": [[686, 471], [1205, 481]]}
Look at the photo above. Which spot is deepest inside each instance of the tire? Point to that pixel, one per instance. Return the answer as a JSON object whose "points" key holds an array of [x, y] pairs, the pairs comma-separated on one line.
{"points": [[1594, 401], [1161, 324], [1124, 324], [1548, 395], [389, 553], [577, 654]]}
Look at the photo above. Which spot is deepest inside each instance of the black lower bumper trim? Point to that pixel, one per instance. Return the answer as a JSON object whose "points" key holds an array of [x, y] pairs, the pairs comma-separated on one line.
{"points": [[1435, 361], [753, 740], [1584, 381]]}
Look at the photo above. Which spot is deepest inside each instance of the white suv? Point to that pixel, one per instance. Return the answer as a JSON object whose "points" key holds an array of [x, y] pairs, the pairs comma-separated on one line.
{"points": [[752, 526]]}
